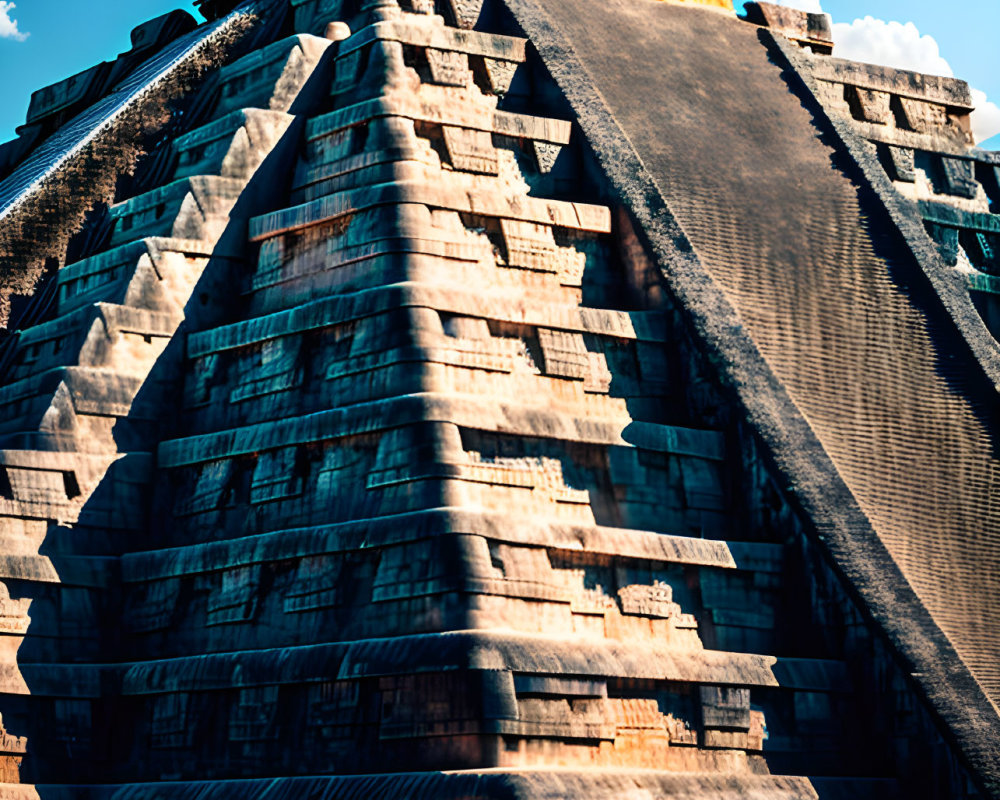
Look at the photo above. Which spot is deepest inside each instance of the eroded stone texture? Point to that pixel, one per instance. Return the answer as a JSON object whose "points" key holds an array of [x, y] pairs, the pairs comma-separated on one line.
{"points": [[371, 442]]}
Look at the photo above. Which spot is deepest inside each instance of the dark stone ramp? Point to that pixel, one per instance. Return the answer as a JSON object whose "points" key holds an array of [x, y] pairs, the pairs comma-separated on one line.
{"points": [[490, 785], [691, 101]]}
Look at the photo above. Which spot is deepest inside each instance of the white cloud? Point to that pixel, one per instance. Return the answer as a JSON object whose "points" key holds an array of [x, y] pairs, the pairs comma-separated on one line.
{"points": [[900, 45], [986, 117], [8, 26], [802, 5], [893, 44]]}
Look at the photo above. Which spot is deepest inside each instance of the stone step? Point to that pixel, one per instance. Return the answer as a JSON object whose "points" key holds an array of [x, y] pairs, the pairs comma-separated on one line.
{"points": [[592, 784], [516, 419], [491, 651], [277, 77], [153, 273], [233, 146], [101, 335], [392, 531], [196, 207], [478, 199]]}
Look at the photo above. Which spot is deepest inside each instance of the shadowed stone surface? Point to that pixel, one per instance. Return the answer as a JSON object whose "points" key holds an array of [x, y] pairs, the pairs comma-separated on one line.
{"points": [[834, 303]]}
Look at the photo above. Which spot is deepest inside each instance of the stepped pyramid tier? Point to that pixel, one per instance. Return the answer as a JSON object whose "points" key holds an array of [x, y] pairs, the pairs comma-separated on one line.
{"points": [[504, 399]]}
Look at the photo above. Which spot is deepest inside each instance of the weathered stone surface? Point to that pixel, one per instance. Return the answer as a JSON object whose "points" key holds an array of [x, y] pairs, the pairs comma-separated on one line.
{"points": [[699, 197], [370, 451], [808, 29]]}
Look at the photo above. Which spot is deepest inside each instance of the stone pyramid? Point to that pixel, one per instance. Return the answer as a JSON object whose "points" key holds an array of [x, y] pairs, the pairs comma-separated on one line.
{"points": [[506, 399]]}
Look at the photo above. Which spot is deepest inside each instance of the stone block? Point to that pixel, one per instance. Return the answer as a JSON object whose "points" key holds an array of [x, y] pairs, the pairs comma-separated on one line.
{"points": [[869, 105], [959, 177], [273, 77], [234, 146]]}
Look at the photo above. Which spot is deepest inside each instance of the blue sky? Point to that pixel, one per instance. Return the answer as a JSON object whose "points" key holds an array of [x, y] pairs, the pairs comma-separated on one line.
{"points": [[43, 41]]}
